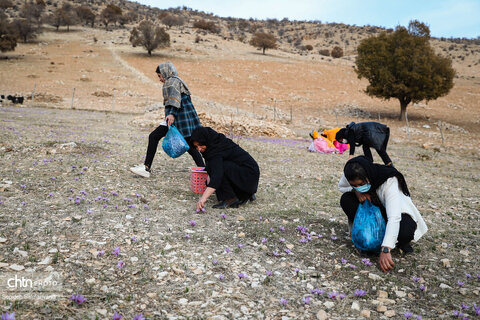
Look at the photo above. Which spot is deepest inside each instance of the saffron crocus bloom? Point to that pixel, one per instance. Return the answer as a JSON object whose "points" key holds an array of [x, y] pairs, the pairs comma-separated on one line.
{"points": [[187, 236], [242, 276], [101, 253], [460, 283], [78, 299], [133, 239], [360, 293], [264, 240], [288, 251], [457, 313], [192, 223], [223, 216], [215, 262], [117, 316], [468, 275], [282, 228], [296, 270], [240, 246], [416, 279], [139, 317], [8, 316], [116, 251], [275, 253], [343, 261], [422, 287], [120, 264], [333, 238], [419, 317], [221, 277], [407, 315], [227, 250], [342, 296], [269, 273], [367, 262], [271, 229], [306, 299], [332, 295], [283, 302], [353, 266], [477, 310], [465, 306], [281, 240]]}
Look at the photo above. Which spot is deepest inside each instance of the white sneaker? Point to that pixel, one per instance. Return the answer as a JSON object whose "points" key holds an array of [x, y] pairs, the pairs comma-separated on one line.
{"points": [[140, 170]]}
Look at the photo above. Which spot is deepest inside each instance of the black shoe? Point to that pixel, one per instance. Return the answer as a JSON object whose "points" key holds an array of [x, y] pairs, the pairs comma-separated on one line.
{"points": [[227, 204], [253, 197], [406, 249]]}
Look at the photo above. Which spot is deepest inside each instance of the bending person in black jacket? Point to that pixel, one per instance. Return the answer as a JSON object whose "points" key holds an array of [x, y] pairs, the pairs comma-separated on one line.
{"points": [[233, 173], [368, 135]]}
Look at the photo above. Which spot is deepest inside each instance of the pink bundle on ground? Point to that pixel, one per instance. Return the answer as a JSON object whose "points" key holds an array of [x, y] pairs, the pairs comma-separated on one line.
{"points": [[321, 145], [341, 147]]}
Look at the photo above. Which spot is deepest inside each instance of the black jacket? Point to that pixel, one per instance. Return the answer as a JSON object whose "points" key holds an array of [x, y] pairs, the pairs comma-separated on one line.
{"points": [[370, 134]]}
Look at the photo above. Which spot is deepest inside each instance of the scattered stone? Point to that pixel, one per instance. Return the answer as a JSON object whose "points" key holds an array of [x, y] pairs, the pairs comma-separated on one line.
{"points": [[183, 301], [355, 306], [390, 313], [3, 240], [445, 286], [382, 294], [322, 315], [103, 312], [47, 260], [365, 313], [241, 218], [17, 267], [401, 294], [446, 263], [241, 235], [381, 308], [329, 304], [374, 276]]}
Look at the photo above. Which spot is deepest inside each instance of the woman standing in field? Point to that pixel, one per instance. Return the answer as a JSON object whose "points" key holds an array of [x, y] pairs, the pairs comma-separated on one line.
{"points": [[179, 111]]}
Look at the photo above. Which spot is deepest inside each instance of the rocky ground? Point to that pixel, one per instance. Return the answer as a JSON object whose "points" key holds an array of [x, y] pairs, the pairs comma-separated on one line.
{"points": [[130, 245]]}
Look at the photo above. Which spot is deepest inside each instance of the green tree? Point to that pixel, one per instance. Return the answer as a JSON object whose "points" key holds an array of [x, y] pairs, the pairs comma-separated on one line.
{"points": [[25, 29], [264, 41], [404, 66], [86, 14], [8, 37], [111, 13], [149, 36]]}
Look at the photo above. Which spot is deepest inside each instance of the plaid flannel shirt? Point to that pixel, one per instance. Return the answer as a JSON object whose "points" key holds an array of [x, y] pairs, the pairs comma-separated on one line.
{"points": [[186, 118]]}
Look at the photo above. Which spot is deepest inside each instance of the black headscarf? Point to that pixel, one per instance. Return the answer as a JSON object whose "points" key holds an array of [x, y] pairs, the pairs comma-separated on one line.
{"points": [[215, 142], [377, 174]]}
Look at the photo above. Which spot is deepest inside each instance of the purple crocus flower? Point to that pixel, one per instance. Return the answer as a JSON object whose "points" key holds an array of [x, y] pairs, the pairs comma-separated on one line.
{"points": [[342, 296], [333, 238], [460, 283], [416, 279], [419, 317], [465, 306], [306, 300], [120, 264], [187, 236], [282, 228], [367, 262], [78, 299], [116, 251], [283, 302], [240, 246], [422, 287], [271, 229], [101, 253], [360, 293], [407, 314], [242, 276], [275, 253], [223, 216], [227, 250], [303, 240], [352, 266], [282, 240], [215, 262], [457, 313], [117, 316], [468, 275], [264, 240], [192, 223], [8, 316], [221, 277], [139, 317], [318, 291], [332, 295], [269, 273], [133, 239], [296, 270], [477, 310], [288, 251], [343, 261]]}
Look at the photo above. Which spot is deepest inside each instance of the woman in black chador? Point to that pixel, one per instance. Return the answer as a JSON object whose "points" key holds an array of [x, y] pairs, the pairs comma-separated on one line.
{"points": [[233, 173]]}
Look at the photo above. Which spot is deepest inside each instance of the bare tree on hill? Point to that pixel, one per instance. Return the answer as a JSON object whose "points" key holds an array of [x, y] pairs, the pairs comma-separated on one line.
{"points": [[86, 14], [149, 36], [264, 41], [173, 20]]}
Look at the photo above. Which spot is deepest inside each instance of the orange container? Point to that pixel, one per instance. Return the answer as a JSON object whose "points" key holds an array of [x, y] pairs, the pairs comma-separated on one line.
{"points": [[198, 179]]}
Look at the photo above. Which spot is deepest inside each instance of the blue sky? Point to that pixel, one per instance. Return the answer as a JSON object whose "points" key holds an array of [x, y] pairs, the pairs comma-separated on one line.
{"points": [[446, 18]]}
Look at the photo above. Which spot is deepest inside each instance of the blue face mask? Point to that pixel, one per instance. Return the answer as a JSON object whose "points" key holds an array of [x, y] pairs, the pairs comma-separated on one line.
{"points": [[364, 188]]}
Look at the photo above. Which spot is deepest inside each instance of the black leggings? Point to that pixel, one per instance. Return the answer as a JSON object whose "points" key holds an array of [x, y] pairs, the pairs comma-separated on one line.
{"points": [[157, 135], [382, 152], [349, 203]]}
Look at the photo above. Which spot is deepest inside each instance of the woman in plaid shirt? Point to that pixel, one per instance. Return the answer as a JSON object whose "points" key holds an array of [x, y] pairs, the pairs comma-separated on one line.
{"points": [[179, 111]]}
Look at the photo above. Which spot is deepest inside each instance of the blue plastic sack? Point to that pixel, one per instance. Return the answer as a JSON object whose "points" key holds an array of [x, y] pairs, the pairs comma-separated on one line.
{"points": [[368, 227], [174, 143]]}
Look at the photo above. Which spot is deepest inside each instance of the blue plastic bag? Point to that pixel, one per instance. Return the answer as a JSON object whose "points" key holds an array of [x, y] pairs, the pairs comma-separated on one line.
{"points": [[368, 227], [174, 143]]}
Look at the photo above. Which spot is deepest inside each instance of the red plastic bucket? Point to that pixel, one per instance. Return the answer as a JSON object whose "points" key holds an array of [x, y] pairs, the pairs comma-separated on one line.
{"points": [[198, 179]]}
